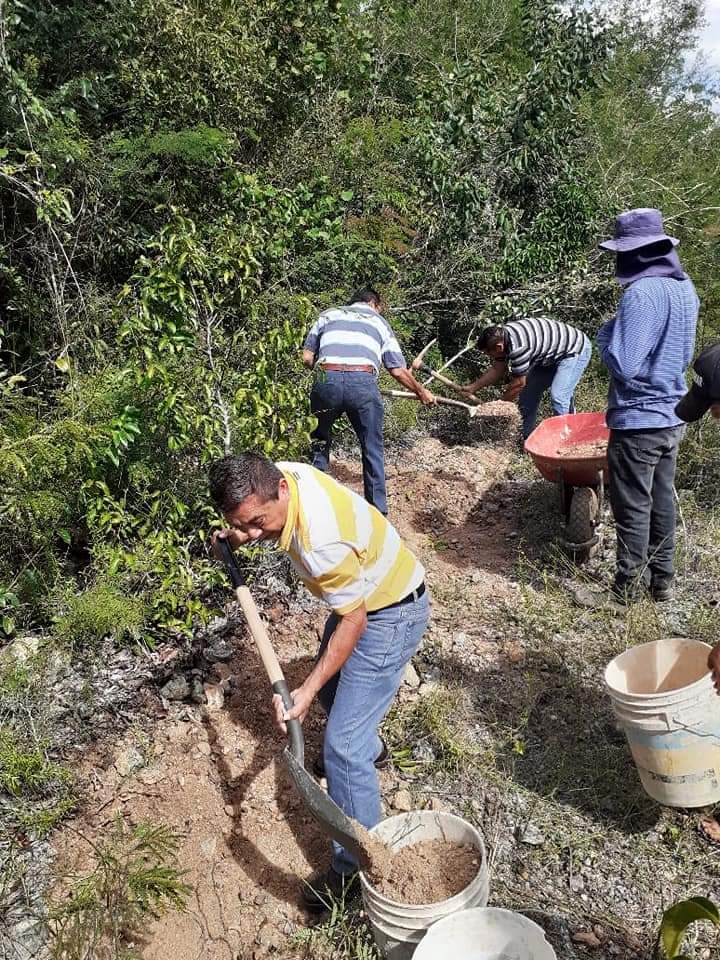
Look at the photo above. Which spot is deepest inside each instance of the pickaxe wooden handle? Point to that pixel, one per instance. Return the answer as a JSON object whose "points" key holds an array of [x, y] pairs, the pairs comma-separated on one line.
{"points": [[446, 401], [418, 361], [419, 364], [447, 381]]}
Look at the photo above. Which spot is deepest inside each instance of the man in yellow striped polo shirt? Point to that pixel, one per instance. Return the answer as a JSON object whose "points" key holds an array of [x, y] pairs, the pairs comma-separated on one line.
{"points": [[347, 553]]}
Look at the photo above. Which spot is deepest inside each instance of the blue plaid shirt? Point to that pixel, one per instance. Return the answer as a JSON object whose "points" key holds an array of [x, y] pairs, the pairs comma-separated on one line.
{"points": [[647, 347]]}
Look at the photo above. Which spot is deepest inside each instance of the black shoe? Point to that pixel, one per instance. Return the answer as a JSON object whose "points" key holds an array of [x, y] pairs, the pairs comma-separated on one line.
{"points": [[662, 589], [381, 761], [328, 886], [630, 591]]}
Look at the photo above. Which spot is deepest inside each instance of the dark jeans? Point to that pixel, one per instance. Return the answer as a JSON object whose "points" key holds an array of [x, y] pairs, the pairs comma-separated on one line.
{"points": [[642, 473], [357, 395]]}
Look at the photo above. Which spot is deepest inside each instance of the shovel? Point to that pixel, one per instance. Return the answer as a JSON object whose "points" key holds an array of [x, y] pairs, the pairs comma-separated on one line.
{"points": [[445, 401], [328, 814]]}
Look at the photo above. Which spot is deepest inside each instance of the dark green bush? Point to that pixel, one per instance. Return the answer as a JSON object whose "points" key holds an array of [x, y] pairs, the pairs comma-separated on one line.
{"points": [[98, 612]]}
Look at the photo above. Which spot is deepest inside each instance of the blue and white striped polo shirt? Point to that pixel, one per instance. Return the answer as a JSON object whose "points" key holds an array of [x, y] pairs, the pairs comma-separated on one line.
{"points": [[355, 334], [647, 347]]}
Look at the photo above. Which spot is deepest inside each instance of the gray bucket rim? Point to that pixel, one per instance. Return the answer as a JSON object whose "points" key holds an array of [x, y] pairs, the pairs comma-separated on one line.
{"points": [[650, 698], [366, 885], [505, 911]]}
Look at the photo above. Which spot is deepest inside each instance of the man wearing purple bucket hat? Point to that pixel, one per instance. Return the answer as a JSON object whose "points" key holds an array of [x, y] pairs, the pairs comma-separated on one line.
{"points": [[646, 347]]}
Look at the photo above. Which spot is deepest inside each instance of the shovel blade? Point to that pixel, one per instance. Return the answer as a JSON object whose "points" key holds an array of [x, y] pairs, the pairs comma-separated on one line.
{"points": [[328, 814]]}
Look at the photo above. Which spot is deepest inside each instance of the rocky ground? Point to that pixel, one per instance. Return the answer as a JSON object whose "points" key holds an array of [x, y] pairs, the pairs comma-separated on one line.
{"points": [[502, 719]]}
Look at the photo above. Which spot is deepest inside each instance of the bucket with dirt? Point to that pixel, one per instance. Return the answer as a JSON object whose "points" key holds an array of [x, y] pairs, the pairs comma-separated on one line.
{"points": [[663, 695], [485, 933], [436, 867]]}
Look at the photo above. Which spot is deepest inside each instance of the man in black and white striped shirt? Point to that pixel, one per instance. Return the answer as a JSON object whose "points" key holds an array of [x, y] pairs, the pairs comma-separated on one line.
{"points": [[537, 354]]}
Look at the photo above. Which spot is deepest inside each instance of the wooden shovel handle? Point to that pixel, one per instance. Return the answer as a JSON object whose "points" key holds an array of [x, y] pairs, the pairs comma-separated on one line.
{"points": [[260, 636]]}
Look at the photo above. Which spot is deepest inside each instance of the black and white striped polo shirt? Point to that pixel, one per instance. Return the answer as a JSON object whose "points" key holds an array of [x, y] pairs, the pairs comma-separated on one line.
{"points": [[540, 341]]}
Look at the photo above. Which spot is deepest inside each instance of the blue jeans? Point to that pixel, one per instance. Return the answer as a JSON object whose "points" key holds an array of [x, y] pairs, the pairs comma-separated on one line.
{"points": [[355, 700], [560, 379], [357, 395]]}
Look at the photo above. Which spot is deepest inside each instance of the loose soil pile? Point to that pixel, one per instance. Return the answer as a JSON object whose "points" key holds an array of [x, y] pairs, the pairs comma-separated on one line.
{"points": [[498, 408], [590, 448], [426, 872], [465, 504]]}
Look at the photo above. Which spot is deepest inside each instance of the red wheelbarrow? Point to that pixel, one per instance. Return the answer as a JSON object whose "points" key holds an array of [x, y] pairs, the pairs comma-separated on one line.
{"points": [[571, 451]]}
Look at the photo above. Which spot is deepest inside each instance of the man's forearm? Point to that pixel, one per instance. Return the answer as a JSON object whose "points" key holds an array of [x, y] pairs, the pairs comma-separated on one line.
{"points": [[514, 389], [341, 644], [404, 377], [488, 379]]}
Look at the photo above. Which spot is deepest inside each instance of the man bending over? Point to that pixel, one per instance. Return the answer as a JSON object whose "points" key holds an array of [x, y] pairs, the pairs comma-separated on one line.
{"points": [[347, 553]]}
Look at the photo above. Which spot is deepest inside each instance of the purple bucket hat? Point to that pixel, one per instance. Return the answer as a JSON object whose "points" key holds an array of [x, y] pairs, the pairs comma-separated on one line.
{"points": [[637, 228]]}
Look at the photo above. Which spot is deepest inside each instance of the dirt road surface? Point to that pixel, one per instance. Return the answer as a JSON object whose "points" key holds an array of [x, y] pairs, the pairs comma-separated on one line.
{"points": [[212, 771]]}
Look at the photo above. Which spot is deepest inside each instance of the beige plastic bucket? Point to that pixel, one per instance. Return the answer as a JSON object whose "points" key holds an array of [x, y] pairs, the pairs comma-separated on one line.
{"points": [[485, 933], [663, 695], [399, 927]]}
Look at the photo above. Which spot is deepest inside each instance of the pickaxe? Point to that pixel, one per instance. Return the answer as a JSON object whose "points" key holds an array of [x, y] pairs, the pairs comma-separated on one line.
{"points": [[419, 364]]}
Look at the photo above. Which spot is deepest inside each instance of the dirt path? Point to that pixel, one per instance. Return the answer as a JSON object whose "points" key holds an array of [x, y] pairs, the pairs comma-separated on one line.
{"points": [[527, 746], [212, 772]]}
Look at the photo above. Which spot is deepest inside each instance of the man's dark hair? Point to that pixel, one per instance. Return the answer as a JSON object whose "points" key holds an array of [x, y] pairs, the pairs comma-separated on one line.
{"points": [[233, 479], [491, 336], [365, 295]]}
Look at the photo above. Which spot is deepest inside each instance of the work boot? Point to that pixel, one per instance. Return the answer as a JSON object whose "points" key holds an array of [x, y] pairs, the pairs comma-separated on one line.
{"points": [[327, 886], [381, 761], [628, 591], [662, 589]]}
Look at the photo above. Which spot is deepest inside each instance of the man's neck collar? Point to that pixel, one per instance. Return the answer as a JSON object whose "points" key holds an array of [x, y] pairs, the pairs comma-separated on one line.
{"points": [[293, 509], [365, 306]]}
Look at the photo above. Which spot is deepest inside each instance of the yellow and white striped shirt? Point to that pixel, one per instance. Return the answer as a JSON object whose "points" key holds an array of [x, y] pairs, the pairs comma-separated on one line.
{"points": [[343, 549]]}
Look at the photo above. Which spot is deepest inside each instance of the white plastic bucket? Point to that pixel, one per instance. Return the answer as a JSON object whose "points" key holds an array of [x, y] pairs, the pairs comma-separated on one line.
{"points": [[485, 933], [663, 695], [399, 927]]}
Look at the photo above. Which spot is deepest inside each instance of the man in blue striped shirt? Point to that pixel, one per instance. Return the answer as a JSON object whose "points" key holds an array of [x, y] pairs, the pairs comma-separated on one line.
{"points": [[346, 346], [646, 347]]}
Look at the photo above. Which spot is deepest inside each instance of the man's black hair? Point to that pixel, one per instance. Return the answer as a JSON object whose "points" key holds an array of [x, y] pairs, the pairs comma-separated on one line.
{"points": [[366, 295], [234, 479], [490, 336]]}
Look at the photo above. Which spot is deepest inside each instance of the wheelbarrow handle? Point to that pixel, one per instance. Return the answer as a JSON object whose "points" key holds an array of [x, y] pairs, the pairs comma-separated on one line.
{"points": [[259, 634]]}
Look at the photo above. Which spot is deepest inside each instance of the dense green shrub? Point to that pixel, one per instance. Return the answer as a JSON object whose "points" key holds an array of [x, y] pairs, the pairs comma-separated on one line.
{"points": [[25, 770], [183, 186], [98, 612]]}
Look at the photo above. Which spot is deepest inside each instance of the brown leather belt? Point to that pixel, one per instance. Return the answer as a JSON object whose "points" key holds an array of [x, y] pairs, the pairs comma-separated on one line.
{"points": [[348, 367]]}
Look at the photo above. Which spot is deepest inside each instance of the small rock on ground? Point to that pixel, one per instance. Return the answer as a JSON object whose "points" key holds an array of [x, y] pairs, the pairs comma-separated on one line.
{"points": [[577, 884], [177, 688], [411, 677], [129, 761], [215, 695], [530, 835], [218, 651], [197, 691], [402, 801]]}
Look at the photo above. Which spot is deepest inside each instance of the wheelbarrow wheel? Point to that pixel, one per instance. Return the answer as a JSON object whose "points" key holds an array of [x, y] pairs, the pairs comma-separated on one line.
{"points": [[580, 535]]}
